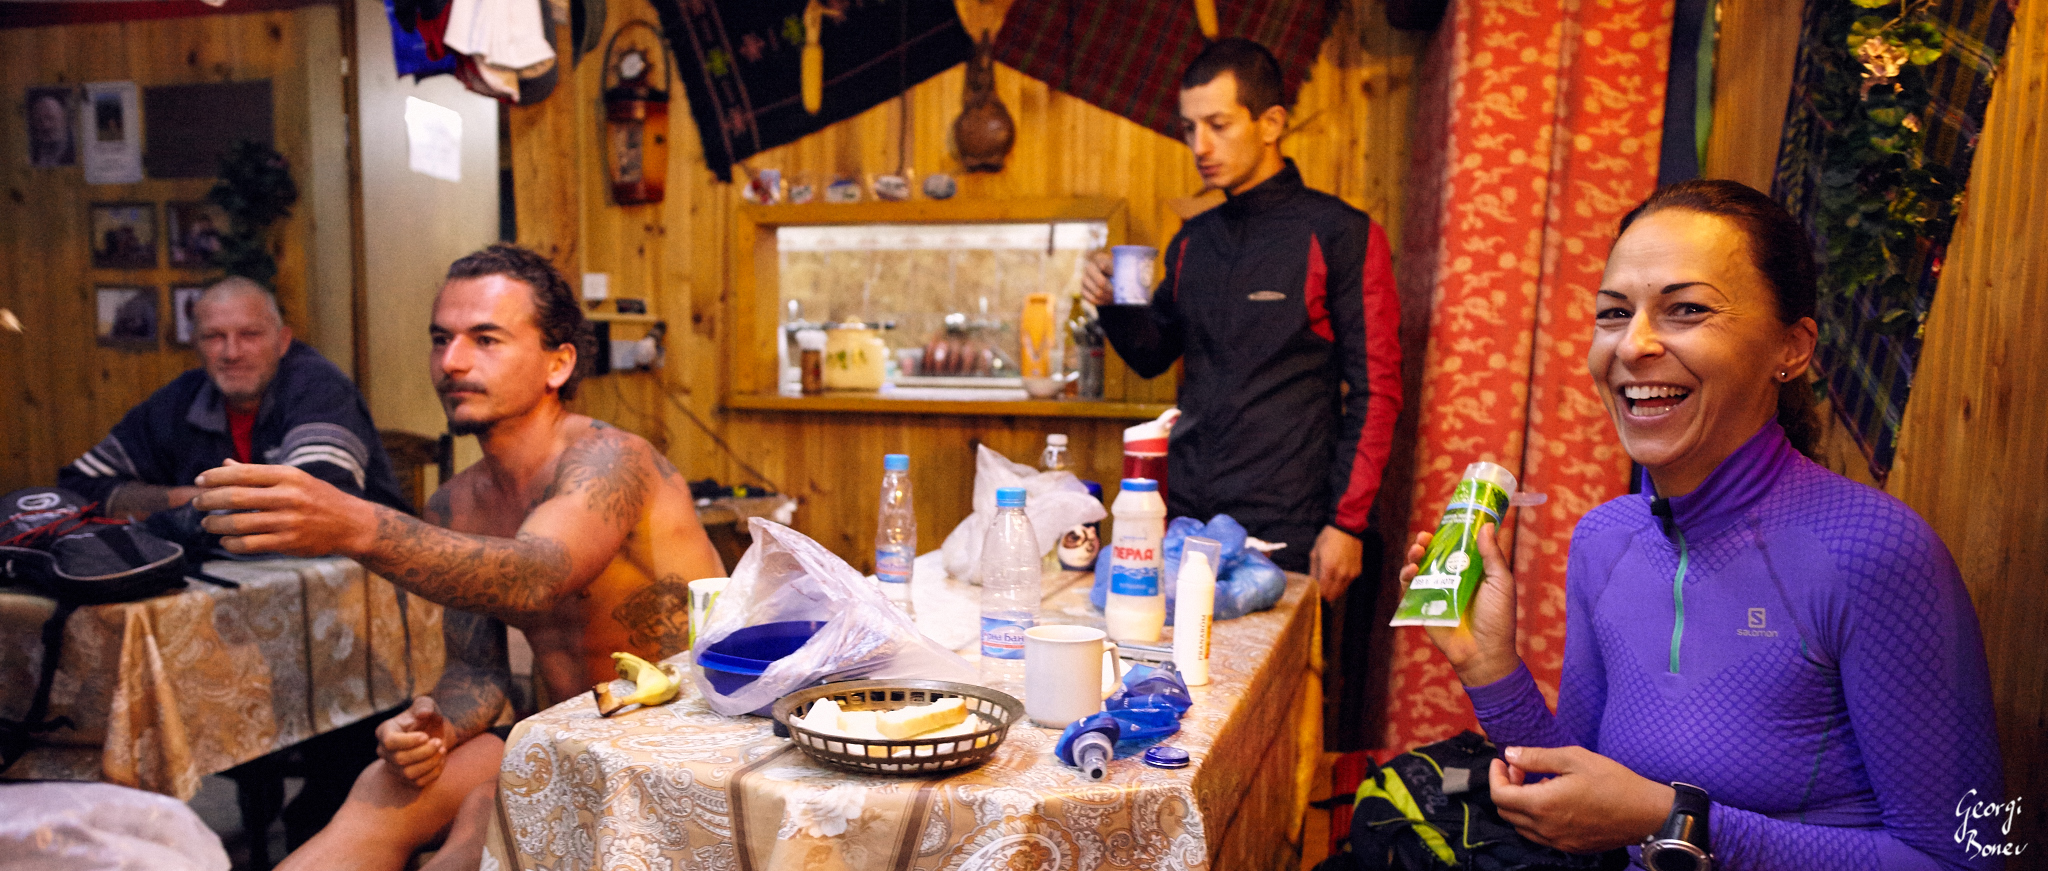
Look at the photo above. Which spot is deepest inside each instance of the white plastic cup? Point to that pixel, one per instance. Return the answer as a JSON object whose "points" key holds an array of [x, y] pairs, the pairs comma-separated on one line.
{"points": [[1068, 670], [1130, 277], [703, 592]]}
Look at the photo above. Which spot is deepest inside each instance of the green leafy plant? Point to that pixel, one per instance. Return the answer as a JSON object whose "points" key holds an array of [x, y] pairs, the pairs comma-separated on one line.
{"points": [[1881, 203], [256, 190]]}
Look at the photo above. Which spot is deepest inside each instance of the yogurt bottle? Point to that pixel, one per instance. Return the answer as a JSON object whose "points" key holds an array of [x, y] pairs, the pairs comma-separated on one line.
{"points": [[1136, 608]]}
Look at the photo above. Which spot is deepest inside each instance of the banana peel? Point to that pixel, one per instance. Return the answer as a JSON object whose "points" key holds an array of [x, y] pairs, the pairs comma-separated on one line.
{"points": [[652, 685]]}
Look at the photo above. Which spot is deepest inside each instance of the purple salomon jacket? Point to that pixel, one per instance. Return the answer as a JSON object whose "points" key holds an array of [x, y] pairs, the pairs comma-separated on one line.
{"points": [[1796, 644]]}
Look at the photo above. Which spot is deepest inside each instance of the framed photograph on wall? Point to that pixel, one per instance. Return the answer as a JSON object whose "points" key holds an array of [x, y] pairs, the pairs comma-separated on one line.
{"points": [[194, 232], [123, 235], [52, 127], [182, 300], [127, 316]]}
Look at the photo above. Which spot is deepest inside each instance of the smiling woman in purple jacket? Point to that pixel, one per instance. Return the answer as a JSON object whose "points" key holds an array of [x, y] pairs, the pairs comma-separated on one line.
{"points": [[1796, 646]]}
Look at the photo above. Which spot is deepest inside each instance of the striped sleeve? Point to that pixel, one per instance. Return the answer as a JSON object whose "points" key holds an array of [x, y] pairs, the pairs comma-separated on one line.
{"points": [[314, 443]]}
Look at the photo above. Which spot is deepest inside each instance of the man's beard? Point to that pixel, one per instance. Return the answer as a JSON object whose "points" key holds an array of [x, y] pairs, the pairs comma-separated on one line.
{"points": [[461, 427]]}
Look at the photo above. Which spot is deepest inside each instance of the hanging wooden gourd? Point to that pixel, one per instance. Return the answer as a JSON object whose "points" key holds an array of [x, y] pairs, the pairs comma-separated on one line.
{"points": [[636, 120], [812, 78], [984, 132]]}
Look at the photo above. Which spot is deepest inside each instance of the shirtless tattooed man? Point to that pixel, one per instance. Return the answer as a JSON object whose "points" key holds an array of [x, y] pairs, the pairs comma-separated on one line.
{"points": [[581, 535]]}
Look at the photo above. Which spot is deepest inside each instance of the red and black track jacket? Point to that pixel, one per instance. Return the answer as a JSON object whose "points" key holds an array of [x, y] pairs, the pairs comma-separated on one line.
{"points": [[1277, 300]]}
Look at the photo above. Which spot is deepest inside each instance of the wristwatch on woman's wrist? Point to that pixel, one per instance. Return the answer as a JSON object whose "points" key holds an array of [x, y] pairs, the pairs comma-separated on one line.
{"points": [[1681, 845]]}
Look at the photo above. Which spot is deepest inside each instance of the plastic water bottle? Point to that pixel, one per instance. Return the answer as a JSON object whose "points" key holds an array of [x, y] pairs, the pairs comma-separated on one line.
{"points": [[1136, 610], [895, 532], [1009, 590]]}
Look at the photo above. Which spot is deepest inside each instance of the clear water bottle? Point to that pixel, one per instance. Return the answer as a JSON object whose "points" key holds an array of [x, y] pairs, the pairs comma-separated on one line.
{"points": [[1009, 591], [895, 532]]}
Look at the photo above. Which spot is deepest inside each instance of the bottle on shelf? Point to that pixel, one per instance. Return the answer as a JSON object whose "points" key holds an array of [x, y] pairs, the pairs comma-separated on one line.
{"points": [[895, 532], [1136, 610], [1054, 459], [1010, 590]]}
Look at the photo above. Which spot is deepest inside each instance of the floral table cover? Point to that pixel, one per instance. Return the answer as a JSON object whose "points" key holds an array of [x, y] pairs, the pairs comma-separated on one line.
{"points": [[681, 787], [169, 689]]}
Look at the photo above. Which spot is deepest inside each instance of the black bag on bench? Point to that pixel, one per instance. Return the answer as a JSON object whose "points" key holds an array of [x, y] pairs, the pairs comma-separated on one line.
{"points": [[52, 543]]}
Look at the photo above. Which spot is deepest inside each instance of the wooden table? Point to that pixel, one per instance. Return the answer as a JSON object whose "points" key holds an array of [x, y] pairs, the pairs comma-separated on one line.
{"points": [[167, 690], [683, 787]]}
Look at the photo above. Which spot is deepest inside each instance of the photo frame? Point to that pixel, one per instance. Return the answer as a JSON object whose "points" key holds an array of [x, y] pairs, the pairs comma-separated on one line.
{"points": [[127, 316], [52, 126], [193, 232], [183, 328], [123, 235]]}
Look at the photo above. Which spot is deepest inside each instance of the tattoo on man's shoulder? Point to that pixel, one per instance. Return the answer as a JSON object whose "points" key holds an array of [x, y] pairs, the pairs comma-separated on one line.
{"points": [[604, 467], [439, 508], [668, 470], [657, 616]]}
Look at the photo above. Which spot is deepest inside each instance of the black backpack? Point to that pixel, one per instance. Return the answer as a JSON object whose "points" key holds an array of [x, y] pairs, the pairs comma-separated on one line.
{"points": [[1430, 809], [52, 543]]}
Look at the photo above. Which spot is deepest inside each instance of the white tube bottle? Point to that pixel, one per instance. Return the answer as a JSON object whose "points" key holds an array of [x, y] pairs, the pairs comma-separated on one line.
{"points": [[1136, 610], [1193, 607]]}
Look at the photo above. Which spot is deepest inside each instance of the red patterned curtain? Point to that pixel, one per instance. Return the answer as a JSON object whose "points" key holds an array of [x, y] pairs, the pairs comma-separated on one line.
{"points": [[1538, 125]]}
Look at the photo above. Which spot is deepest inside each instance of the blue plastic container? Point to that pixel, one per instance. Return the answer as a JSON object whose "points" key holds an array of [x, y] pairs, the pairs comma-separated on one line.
{"points": [[737, 659]]}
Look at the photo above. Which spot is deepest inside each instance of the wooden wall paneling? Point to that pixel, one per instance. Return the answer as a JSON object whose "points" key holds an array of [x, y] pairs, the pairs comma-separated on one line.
{"points": [[1974, 448], [1065, 148], [1752, 82], [78, 389]]}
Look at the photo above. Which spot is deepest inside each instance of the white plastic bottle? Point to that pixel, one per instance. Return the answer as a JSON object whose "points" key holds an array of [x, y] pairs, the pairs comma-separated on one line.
{"points": [[1193, 607], [1136, 610], [1054, 459], [895, 531], [1010, 590]]}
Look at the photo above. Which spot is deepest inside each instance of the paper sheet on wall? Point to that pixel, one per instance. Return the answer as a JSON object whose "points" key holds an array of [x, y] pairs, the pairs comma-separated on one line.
{"points": [[110, 129], [433, 134]]}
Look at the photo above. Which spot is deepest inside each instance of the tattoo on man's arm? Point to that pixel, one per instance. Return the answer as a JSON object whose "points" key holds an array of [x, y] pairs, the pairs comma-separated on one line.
{"points": [[657, 617], [510, 579], [605, 467], [478, 678]]}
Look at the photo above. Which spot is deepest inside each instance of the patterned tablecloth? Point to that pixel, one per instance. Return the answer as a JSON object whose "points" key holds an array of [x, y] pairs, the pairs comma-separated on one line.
{"points": [[168, 690], [681, 787]]}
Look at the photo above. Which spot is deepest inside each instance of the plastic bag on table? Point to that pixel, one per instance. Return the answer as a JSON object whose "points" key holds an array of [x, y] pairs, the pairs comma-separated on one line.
{"points": [[1055, 502], [787, 576], [1246, 580]]}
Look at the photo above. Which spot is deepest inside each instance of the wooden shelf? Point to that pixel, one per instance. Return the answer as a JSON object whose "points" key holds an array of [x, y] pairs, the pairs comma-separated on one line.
{"points": [[617, 318], [872, 403]]}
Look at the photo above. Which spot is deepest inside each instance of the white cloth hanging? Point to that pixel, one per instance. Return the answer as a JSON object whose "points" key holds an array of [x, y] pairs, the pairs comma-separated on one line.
{"points": [[507, 39]]}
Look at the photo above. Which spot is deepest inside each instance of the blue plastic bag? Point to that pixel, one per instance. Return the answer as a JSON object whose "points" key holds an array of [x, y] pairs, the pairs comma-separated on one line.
{"points": [[1147, 707], [1245, 582]]}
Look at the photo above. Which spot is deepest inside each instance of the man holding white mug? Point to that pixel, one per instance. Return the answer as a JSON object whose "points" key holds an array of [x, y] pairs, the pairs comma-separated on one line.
{"points": [[1281, 305]]}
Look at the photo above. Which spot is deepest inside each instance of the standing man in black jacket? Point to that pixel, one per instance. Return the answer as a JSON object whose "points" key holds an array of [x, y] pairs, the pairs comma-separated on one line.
{"points": [[1281, 304]]}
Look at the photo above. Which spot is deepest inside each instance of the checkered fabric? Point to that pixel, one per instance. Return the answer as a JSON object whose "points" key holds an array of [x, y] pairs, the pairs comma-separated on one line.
{"points": [[1869, 374], [740, 62], [1127, 56]]}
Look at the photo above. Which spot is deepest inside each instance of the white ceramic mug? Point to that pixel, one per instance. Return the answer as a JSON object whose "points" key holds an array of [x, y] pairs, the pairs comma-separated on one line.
{"points": [[703, 592], [1067, 672], [1130, 276]]}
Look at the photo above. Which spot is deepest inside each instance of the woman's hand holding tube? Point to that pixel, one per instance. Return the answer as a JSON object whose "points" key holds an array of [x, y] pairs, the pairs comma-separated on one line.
{"points": [[1482, 649]]}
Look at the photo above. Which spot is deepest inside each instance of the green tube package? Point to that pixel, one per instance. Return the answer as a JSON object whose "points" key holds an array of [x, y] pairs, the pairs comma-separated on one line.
{"points": [[1451, 570]]}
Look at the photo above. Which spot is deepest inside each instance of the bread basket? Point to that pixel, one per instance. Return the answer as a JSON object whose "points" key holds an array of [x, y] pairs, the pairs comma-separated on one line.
{"points": [[905, 756]]}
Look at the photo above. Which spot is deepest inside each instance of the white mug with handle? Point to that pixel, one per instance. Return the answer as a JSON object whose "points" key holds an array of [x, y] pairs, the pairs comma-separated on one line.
{"points": [[1068, 670]]}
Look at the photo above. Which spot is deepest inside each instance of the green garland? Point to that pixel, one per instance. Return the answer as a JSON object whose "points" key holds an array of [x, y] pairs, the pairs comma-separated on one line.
{"points": [[1882, 205], [256, 190]]}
